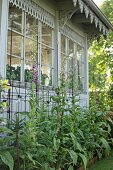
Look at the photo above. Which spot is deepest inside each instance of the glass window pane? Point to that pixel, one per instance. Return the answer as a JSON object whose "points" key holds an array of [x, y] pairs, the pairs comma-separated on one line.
{"points": [[80, 67], [28, 71], [15, 68], [80, 53], [70, 56], [15, 18], [31, 50], [63, 44], [46, 56], [70, 64], [46, 35], [16, 43], [46, 76], [71, 48], [63, 60], [31, 27], [64, 66]]}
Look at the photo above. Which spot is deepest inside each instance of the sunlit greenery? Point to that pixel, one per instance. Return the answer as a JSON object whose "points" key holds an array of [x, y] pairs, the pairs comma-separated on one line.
{"points": [[101, 64]]}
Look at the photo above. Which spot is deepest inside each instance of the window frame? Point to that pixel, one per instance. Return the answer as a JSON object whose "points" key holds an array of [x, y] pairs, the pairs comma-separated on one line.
{"points": [[75, 45], [39, 47]]}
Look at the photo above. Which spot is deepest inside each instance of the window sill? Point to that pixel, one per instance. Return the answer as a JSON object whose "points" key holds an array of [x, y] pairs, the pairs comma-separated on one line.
{"points": [[28, 85]]}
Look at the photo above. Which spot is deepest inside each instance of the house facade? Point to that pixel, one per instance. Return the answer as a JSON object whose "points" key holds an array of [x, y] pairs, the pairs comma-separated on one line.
{"points": [[40, 39]]}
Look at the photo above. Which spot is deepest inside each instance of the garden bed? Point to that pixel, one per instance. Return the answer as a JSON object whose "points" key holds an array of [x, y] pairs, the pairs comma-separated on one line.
{"points": [[104, 164], [90, 163]]}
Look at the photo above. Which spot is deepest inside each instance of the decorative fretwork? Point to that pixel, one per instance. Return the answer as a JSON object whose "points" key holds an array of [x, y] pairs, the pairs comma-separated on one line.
{"points": [[93, 18], [65, 15], [35, 10], [68, 32], [86, 11], [96, 21], [81, 5]]}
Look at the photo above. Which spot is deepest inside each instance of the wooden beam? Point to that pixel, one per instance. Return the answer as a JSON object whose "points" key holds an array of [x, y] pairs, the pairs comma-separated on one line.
{"points": [[90, 28], [67, 5], [80, 18]]}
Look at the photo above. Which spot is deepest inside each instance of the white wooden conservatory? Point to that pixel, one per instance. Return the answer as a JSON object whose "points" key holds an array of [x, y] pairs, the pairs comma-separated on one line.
{"points": [[41, 33]]}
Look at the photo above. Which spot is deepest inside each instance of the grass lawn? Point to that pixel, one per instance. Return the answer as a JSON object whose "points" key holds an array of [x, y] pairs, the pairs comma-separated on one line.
{"points": [[104, 164]]}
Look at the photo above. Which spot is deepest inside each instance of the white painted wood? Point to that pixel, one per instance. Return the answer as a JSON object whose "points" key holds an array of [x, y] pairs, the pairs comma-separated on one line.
{"points": [[53, 58], [55, 52], [0, 14], [35, 10], [49, 5], [39, 48], [76, 27], [23, 46], [87, 71], [3, 35], [59, 55]]}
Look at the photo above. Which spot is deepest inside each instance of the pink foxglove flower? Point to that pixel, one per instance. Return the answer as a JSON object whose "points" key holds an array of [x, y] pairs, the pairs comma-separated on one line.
{"points": [[35, 74]]}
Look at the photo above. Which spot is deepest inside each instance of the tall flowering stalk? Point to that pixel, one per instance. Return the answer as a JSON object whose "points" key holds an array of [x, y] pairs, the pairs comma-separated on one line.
{"points": [[35, 74]]}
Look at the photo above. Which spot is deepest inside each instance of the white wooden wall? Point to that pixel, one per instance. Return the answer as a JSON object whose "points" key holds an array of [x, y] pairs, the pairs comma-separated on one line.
{"points": [[57, 43], [3, 35]]}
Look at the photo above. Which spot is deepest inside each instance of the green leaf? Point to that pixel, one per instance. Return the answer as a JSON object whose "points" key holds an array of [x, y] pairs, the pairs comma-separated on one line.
{"points": [[105, 145], [30, 157], [7, 159], [73, 137], [84, 159], [109, 129], [70, 167], [81, 133], [74, 156], [5, 130], [56, 143], [79, 147], [110, 120]]}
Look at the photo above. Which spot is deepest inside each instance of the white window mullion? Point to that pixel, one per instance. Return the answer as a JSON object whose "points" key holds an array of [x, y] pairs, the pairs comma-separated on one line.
{"points": [[56, 49], [4, 6], [66, 48], [66, 66], [53, 59], [75, 62], [40, 49], [59, 56], [23, 46]]}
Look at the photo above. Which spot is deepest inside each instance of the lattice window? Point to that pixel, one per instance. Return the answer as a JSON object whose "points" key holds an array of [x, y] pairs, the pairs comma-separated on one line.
{"points": [[72, 62], [30, 45], [34, 10]]}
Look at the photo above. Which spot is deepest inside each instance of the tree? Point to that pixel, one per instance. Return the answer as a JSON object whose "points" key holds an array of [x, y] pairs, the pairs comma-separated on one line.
{"points": [[101, 61]]}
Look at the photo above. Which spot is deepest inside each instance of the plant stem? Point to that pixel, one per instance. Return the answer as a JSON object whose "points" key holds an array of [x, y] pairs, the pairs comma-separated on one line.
{"points": [[17, 143]]}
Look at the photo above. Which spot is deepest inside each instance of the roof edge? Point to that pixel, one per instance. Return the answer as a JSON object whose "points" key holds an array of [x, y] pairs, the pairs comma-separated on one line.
{"points": [[99, 13]]}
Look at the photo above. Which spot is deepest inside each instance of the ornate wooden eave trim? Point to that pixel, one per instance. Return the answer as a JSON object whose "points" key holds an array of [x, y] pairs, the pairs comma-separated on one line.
{"points": [[35, 10], [64, 16], [92, 16]]}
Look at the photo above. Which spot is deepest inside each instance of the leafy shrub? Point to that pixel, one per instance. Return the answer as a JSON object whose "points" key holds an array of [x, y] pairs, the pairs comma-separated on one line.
{"points": [[65, 139]]}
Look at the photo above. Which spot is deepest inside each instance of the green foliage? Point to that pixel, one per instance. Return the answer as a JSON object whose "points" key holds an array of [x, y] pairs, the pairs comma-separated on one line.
{"points": [[65, 139], [98, 60], [7, 158], [101, 64]]}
